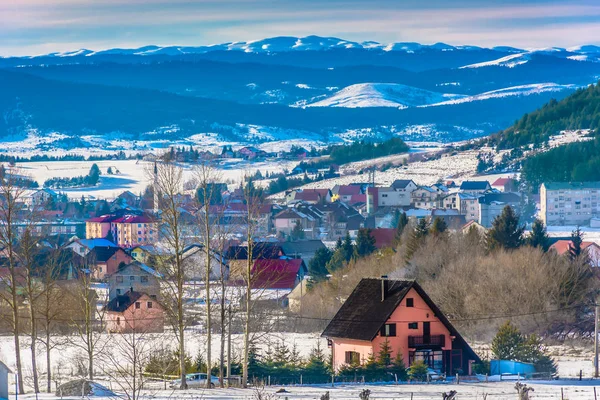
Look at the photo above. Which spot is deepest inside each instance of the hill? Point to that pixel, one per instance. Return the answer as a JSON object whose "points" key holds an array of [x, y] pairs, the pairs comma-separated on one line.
{"points": [[581, 110]]}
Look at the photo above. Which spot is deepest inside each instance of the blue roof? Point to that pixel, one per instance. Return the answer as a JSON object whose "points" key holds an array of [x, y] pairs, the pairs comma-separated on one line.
{"points": [[475, 185], [91, 243]]}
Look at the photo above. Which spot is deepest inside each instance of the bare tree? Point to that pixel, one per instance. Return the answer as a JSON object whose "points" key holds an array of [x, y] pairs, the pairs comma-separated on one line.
{"points": [[50, 309], [12, 199], [129, 354], [168, 186], [86, 321], [207, 185]]}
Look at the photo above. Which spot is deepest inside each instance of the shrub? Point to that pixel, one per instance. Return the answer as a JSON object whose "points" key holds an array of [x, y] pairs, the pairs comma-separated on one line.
{"points": [[418, 371]]}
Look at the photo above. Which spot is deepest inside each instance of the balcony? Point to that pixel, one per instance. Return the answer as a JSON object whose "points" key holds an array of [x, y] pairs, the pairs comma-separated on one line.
{"points": [[415, 342]]}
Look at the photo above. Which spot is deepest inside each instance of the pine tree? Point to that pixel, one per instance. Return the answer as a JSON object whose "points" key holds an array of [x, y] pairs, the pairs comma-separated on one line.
{"points": [[317, 266], [439, 227], [93, 175], [506, 232], [297, 232], [384, 356], [399, 367], [575, 247], [336, 261], [347, 247], [508, 343], [417, 237], [365, 243], [401, 225], [538, 236], [338, 243]]}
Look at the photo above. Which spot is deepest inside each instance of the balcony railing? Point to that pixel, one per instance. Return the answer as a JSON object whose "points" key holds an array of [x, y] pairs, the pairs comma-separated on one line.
{"points": [[425, 341]]}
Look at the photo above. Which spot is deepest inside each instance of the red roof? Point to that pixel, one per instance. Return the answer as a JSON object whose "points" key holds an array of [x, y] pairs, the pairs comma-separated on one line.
{"points": [[102, 218], [276, 274], [358, 198], [384, 237], [133, 219], [562, 246], [307, 196], [348, 190], [502, 181]]}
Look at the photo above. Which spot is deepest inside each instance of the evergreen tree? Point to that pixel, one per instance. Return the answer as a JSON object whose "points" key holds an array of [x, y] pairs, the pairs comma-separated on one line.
{"points": [[417, 237], [399, 367], [336, 261], [575, 247], [508, 343], [297, 232], [347, 248], [317, 266], [109, 171], [401, 225], [538, 236], [338, 243], [439, 227], [384, 356], [506, 232], [365, 243], [93, 175]]}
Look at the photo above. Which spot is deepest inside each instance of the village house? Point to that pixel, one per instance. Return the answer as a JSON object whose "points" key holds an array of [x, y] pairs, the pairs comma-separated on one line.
{"points": [[83, 246], [281, 273], [344, 193], [102, 261], [492, 204], [307, 216], [237, 256], [303, 249], [398, 194], [136, 276], [312, 196], [591, 249], [475, 187], [505, 185], [424, 197], [134, 312], [468, 205], [401, 313], [195, 261], [42, 197]]}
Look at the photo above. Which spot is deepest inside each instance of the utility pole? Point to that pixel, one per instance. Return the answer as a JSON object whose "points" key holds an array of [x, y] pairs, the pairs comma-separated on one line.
{"points": [[597, 311]]}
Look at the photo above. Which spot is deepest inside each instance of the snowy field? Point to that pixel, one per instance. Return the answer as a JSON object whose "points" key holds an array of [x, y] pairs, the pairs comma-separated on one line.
{"points": [[560, 389], [133, 174]]}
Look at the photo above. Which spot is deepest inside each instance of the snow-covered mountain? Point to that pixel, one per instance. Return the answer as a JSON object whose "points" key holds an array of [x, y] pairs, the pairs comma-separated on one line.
{"points": [[382, 95], [315, 43]]}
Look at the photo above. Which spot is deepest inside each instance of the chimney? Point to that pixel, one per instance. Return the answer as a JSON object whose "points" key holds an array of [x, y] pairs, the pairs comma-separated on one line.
{"points": [[131, 288], [385, 285]]}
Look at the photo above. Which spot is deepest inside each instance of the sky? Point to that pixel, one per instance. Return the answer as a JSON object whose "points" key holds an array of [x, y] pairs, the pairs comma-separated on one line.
{"points": [[32, 27]]}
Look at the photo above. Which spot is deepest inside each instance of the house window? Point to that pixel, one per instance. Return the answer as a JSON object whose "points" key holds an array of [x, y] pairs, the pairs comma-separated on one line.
{"points": [[119, 279], [352, 358], [388, 330], [144, 279], [118, 320], [118, 291], [410, 302], [153, 296], [100, 269], [138, 305], [149, 304], [132, 278], [413, 325]]}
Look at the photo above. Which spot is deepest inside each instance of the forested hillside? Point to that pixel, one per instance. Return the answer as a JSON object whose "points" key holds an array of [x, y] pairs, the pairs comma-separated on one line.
{"points": [[581, 110], [573, 162]]}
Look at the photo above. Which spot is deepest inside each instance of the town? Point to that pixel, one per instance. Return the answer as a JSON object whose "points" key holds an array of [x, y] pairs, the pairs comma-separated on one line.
{"points": [[226, 260]]}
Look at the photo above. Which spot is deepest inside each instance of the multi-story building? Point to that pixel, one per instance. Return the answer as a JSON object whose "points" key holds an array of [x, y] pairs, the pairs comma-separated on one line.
{"points": [[491, 205], [127, 230], [565, 203]]}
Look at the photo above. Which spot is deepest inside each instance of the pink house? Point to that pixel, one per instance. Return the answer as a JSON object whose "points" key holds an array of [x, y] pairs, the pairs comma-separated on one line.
{"points": [[404, 315], [134, 312]]}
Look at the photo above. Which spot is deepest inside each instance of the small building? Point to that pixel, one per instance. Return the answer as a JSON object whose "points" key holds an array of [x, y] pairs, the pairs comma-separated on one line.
{"points": [[238, 256], [4, 371], [592, 250], [491, 205], [43, 196], [505, 185], [475, 187], [136, 276], [194, 261], [303, 249], [278, 274], [134, 312], [102, 261], [401, 313]]}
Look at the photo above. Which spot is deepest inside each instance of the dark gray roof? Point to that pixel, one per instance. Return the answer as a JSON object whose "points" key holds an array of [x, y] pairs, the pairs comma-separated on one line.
{"points": [[363, 313], [401, 183], [302, 246], [123, 302], [475, 185], [509, 198]]}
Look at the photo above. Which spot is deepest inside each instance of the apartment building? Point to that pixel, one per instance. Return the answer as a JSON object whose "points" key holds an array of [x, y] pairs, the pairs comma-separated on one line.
{"points": [[569, 203], [127, 230]]}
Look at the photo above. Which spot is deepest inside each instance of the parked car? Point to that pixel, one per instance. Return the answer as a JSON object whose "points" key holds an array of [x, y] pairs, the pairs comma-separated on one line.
{"points": [[195, 381]]}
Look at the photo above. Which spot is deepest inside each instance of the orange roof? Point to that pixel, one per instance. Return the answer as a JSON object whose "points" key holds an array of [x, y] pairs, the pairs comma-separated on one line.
{"points": [[562, 246]]}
